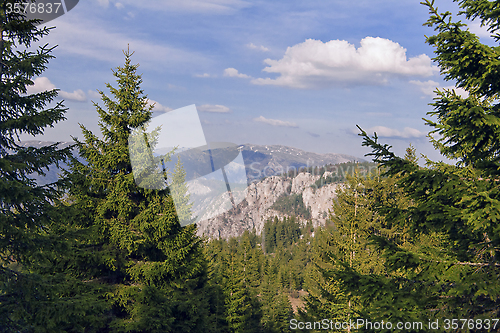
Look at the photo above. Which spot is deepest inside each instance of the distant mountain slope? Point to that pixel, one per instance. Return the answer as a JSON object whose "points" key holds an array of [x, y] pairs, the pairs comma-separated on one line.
{"points": [[40, 144], [268, 160], [260, 160]]}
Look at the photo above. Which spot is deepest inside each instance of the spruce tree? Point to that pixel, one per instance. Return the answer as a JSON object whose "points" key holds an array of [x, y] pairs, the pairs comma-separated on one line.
{"points": [[243, 309], [452, 268], [252, 261], [179, 193], [216, 252], [276, 308], [29, 299], [348, 245], [325, 298], [151, 270]]}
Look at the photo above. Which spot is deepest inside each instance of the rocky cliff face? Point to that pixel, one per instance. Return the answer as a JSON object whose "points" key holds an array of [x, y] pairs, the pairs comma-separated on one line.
{"points": [[256, 207]]}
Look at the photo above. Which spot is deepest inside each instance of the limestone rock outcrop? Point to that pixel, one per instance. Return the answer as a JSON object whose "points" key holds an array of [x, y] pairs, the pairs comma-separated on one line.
{"points": [[256, 207]]}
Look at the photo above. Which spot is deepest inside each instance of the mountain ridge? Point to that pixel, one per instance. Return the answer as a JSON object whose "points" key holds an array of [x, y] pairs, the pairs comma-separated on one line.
{"points": [[261, 161]]}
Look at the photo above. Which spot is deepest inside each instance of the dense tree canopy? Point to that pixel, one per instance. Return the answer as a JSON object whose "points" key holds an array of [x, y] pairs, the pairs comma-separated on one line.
{"points": [[450, 268], [416, 243], [27, 298]]}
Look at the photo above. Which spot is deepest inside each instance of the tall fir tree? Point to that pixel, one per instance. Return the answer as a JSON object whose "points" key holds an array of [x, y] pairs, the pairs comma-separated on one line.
{"points": [[180, 195], [347, 245], [452, 268], [243, 309], [276, 307], [216, 252], [30, 300], [151, 270], [252, 260]]}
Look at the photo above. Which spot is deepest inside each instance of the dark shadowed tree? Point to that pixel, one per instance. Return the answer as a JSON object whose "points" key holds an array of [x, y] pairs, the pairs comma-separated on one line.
{"points": [[30, 300]]}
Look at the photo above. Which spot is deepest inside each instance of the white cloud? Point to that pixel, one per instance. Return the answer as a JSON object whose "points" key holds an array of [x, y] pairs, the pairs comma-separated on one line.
{"points": [[233, 72], [213, 108], [202, 75], [383, 131], [94, 95], [428, 88], [119, 5], [40, 84], [477, 29], [77, 95], [314, 64], [255, 47], [43, 84], [158, 107], [275, 122]]}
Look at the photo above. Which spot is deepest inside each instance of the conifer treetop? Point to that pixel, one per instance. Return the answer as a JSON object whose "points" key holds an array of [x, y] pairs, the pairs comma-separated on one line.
{"points": [[22, 113], [451, 265], [130, 108]]}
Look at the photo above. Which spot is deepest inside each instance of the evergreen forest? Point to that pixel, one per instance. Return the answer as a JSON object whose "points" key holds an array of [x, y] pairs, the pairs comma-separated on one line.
{"points": [[414, 242]]}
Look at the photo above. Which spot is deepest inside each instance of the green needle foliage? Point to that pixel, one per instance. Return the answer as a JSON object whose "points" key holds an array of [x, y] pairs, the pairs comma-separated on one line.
{"points": [[239, 276], [279, 234], [179, 193], [130, 244], [347, 247], [27, 298], [254, 287], [450, 265]]}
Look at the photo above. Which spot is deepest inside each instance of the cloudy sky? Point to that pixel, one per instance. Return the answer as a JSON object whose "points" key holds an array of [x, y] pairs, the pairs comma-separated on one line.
{"points": [[296, 73]]}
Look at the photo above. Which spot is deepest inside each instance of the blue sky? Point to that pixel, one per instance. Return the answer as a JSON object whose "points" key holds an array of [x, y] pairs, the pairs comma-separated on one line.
{"points": [[296, 73]]}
